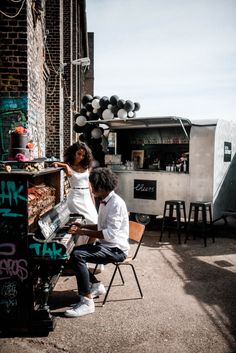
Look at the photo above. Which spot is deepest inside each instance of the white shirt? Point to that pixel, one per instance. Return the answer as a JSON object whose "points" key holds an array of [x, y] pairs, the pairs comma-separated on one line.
{"points": [[113, 221]]}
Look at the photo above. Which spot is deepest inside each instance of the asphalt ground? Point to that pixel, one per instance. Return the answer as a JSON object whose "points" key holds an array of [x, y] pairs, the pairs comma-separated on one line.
{"points": [[189, 303]]}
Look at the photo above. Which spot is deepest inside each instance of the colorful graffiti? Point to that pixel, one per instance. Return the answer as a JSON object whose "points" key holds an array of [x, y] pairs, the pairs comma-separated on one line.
{"points": [[12, 110]]}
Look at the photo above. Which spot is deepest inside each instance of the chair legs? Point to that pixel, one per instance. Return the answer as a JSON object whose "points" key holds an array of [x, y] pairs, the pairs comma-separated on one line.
{"points": [[117, 269]]}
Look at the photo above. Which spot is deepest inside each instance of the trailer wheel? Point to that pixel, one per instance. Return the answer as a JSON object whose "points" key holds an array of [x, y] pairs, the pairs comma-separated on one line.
{"points": [[142, 218]]}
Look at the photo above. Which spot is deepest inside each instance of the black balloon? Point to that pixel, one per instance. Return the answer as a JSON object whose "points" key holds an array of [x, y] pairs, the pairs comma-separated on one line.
{"points": [[93, 116], [121, 103], [83, 111], [104, 101], [128, 106], [136, 106], [99, 113], [86, 99], [82, 137], [114, 110], [114, 99], [78, 128], [89, 107]]}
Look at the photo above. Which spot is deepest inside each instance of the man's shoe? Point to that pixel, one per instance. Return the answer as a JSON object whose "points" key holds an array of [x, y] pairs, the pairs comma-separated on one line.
{"points": [[97, 289], [84, 307]]}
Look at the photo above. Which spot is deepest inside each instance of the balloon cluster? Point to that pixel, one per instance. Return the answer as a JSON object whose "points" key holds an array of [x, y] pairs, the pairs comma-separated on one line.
{"points": [[96, 108], [104, 108]]}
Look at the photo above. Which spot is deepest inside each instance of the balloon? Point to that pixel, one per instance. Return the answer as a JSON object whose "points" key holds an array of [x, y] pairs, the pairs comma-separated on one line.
{"points": [[114, 99], [122, 114], [95, 103], [89, 107], [93, 116], [87, 98], [136, 106], [114, 110], [130, 114], [107, 114], [82, 137], [109, 106], [104, 101], [121, 103], [129, 106], [96, 133], [81, 120], [83, 111], [78, 128], [99, 112]]}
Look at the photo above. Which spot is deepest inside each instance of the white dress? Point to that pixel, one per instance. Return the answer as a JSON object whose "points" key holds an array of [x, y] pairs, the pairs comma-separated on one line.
{"points": [[80, 201]]}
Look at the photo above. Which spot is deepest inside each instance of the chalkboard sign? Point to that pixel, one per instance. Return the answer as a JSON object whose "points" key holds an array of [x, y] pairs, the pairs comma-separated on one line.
{"points": [[145, 189], [227, 151]]}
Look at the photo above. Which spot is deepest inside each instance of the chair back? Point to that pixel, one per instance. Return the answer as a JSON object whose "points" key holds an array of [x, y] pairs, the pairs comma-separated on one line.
{"points": [[136, 233]]}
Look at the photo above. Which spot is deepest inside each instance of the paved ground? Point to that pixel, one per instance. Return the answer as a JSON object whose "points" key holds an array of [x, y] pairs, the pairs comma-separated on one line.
{"points": [[189, 304]]}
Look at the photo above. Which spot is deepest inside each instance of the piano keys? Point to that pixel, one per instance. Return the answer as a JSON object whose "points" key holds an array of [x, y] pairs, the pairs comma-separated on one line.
{"points": [[49, 251]]}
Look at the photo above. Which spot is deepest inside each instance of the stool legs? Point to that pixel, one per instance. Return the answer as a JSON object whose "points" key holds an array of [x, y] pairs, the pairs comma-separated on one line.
{"points": [[169, 208], [204, 209]]}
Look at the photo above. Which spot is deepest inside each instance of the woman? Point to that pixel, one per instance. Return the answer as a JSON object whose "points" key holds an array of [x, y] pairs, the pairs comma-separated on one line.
{"points": [[78, 161]]}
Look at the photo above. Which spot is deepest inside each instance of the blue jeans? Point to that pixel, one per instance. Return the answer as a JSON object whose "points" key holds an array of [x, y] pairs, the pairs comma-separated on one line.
{"points": [[96, 254]]}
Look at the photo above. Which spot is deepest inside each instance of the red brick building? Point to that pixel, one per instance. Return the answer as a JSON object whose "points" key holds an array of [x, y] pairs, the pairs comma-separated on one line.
{"points": [[39, 83]]}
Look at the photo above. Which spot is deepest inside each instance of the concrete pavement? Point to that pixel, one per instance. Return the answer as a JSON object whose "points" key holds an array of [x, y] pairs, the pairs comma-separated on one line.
{"points": [[189, 303]]}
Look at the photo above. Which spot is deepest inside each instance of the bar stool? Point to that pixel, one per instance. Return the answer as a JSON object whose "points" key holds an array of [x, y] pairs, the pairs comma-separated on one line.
{"points": [[204, 222], [170, 222]]}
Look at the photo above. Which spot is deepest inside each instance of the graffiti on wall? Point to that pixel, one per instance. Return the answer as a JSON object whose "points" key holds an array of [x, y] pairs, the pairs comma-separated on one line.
{"points": [[14, 271], [12, 111]]}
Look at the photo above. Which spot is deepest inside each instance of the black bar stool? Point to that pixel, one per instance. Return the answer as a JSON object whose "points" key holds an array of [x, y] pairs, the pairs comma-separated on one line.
{"points": [[204, 222], [171, 222]]}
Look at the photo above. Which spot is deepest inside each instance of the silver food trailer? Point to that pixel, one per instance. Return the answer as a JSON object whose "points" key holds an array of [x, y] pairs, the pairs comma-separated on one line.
{"points": [[166, 158]]}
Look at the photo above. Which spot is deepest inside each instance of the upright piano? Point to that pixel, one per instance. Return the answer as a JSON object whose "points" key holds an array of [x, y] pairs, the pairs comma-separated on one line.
{"points": [[34, 247]]}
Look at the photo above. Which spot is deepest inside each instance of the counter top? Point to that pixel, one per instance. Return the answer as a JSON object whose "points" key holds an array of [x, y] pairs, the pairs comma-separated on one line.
{"points": [[145, 170]]}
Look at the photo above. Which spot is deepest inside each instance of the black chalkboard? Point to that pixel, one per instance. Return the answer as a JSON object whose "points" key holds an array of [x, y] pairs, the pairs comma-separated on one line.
{"points": [[145, 189]]}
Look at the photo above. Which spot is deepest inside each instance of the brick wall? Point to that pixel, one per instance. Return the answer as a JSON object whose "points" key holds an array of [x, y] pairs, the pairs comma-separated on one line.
{"points": [[53, 88], [34, 84], [13, 66]]}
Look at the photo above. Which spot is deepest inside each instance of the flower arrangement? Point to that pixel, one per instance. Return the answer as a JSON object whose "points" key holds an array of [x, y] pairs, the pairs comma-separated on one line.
{"points": [[19, 126]]}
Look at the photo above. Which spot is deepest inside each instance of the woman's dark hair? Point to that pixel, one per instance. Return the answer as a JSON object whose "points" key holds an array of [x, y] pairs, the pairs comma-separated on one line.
{"points": [[103, 179], [69, 156]]}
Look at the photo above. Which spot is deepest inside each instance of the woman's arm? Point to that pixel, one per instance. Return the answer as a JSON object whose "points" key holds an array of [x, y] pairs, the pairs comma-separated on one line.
{"points": [[65, 166]]}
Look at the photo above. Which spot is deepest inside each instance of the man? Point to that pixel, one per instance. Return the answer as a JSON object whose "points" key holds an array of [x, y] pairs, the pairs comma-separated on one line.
{"points": [[112, 232]]}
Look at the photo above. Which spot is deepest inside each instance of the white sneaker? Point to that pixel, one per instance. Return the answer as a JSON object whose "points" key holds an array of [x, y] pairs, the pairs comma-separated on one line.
{"points": [[84, 307], [97, 289]]}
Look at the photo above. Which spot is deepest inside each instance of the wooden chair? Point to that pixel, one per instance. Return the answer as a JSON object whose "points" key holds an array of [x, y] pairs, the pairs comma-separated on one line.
{"points": [[136, 233]]}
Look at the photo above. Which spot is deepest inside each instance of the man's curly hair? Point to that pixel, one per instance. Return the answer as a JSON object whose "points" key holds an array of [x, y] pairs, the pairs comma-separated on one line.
{"points": [[103, 179]]}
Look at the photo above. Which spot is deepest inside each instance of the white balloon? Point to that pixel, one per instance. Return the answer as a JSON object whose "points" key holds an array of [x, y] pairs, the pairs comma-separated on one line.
{"points": [[95, 103], [81, 120], [122, 114], [107, 114], [95, 110], [130, 114], [109, 106], [96, 133]]}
